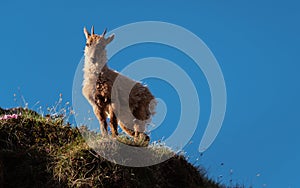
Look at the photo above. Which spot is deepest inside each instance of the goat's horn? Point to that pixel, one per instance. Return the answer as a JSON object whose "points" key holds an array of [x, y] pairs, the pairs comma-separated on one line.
{"points": [[86, 33], [92, 30], [104, 32]]}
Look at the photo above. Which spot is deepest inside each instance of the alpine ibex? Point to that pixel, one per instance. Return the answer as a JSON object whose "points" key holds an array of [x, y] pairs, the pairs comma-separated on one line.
{"points": [[126, 102]]}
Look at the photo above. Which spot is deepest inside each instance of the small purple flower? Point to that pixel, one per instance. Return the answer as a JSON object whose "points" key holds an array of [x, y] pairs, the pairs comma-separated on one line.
{"points": [[12, 116]]}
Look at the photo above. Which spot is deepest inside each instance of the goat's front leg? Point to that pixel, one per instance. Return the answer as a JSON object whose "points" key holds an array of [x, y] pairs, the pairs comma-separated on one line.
{"points": [[101, 116], [113, 122]]}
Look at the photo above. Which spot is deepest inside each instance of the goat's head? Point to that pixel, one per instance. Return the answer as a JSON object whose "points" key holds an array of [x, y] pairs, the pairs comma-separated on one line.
{"points": [[94, 39]]}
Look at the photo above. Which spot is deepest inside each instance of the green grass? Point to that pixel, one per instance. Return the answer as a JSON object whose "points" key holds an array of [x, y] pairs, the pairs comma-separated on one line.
{"points": [[38, 151]]}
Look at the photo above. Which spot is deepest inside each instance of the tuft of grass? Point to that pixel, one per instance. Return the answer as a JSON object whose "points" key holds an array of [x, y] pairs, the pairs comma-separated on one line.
{"points": [[37, 151], [129, 141]]}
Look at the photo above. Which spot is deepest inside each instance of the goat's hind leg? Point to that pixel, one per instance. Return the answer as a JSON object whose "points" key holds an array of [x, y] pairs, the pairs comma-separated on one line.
{"points": [[139, 134], [126, 129]]}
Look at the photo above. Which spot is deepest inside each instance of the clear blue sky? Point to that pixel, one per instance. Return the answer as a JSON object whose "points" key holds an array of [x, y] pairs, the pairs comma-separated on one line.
{"points": [[255, 42]]}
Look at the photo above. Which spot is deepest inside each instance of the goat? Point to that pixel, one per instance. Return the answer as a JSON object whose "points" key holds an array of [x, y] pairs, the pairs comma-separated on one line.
{"points": [[126, 102]]}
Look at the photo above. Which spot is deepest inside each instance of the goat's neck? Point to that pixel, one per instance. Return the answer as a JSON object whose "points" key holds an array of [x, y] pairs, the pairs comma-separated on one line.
{"points": [[95, 60]]}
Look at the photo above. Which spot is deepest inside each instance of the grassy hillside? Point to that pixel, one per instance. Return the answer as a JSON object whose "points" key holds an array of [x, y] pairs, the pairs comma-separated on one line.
{"points": [[38, 151]]}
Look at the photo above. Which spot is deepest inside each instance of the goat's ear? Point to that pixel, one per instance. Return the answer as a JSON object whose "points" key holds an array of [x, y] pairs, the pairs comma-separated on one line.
{"points": [[86, 33], [110, 38]]}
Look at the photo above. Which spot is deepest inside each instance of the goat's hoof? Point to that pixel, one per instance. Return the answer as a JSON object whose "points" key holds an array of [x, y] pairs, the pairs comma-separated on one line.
{"points": [[104, 135], [114, 135]]}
